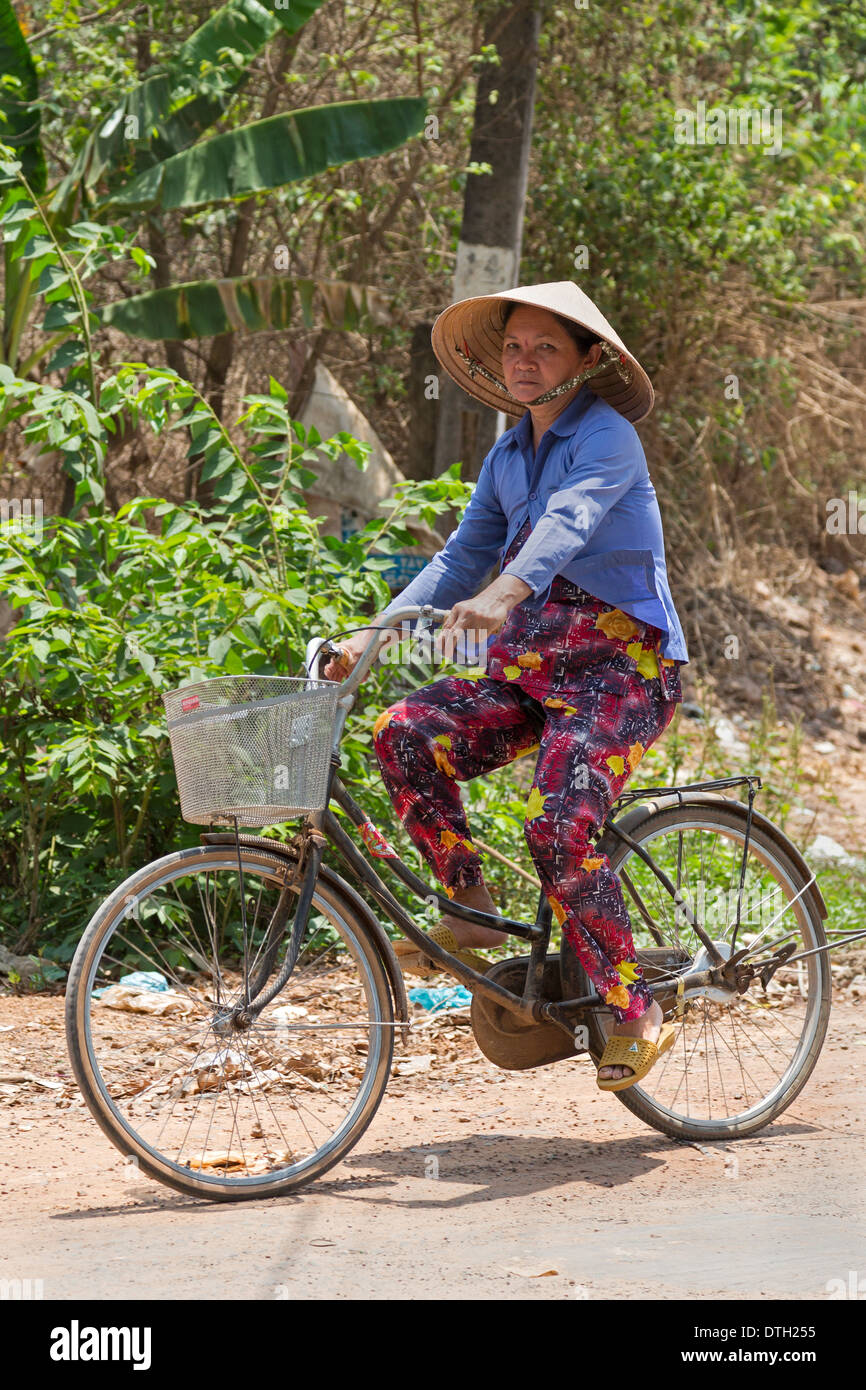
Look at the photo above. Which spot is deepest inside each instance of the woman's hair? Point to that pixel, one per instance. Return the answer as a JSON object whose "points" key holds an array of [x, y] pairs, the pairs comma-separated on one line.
{"points": [[581, 336]]}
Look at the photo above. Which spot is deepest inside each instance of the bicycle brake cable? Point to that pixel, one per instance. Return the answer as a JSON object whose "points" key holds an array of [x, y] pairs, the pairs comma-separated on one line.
{"points": [[425, 625], [344, 632]]}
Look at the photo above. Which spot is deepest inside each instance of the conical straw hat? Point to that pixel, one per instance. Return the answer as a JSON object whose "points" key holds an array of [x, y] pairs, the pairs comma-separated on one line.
{"points": [[467, 340]]}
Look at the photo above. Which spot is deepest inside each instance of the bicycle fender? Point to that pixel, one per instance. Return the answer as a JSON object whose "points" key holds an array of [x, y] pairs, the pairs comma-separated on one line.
{"points": [[637, 814]]}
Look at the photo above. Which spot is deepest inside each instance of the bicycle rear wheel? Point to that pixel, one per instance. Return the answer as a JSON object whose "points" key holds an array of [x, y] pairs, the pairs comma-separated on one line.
{"points": [[212, 1104], [739, 1060]]}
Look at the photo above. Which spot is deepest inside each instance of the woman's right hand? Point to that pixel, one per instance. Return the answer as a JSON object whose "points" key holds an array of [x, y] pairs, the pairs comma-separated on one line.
{"points": [[339, 667]]}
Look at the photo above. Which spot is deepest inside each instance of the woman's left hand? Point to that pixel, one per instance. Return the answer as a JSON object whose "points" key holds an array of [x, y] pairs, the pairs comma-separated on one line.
{"points": [[481, 616]]}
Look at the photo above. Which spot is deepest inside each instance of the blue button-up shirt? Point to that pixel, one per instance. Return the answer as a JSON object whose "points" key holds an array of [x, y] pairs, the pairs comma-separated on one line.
{"points": [[594, 515]]}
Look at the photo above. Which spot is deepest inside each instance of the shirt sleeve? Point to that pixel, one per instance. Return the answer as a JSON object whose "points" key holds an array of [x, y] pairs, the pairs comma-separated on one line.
{"points": [[457, 569], [607, 464]]}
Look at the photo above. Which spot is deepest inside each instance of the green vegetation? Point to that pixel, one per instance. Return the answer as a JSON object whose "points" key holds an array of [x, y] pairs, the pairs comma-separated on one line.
{"points": [[198, 182], [113, 609]]}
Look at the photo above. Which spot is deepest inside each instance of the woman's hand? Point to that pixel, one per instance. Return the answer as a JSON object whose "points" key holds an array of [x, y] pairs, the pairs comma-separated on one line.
{"points": [[482, 615], [339, 667]]}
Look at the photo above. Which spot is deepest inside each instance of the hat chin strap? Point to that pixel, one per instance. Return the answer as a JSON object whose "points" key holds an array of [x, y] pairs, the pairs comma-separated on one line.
{"points": [[608, 354]]}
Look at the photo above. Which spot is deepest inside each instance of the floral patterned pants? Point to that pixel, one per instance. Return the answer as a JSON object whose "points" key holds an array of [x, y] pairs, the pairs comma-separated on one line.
{"points": [[589, 741]]}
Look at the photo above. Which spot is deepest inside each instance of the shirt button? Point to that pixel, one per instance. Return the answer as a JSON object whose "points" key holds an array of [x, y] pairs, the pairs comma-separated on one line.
{"points": [[532, 496]]}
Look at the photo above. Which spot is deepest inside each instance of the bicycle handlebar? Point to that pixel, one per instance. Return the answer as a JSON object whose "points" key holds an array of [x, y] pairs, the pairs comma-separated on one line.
{"points": [[314, 652]]}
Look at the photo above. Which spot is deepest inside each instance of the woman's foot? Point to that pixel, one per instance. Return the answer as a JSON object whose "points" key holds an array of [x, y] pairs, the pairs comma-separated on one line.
{"points": [[471, 933], [460, 936], [647, 1026]]}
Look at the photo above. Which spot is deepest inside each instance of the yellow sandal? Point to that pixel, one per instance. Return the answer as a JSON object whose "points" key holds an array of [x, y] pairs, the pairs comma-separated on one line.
{"points": [[409, 957], [639, 1053]]}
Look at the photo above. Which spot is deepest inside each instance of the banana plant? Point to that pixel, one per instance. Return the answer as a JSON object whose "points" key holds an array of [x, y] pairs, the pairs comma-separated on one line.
{"points": [[204, 308], [152, 153], [19, 89]]}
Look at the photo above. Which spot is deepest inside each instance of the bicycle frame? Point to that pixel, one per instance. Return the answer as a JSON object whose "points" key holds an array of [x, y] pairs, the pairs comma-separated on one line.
{"points": [[322, 826], [529, 1006]]}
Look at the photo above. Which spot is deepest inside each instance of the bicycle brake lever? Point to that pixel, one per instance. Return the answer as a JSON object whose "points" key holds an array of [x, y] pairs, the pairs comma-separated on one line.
{"points": [[422, 635], [318, 651]]}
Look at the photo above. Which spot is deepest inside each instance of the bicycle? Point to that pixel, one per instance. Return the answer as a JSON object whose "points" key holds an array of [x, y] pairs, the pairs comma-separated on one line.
{"points": [[265, 1060]]}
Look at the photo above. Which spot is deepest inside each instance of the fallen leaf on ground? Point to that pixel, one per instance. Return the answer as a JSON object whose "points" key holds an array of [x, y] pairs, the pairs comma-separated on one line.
{"points": [[212, 1072], [138, 1001], [224, 1158], [29, 1076], [305, 1064], [414, 1065], [287, 1013]]}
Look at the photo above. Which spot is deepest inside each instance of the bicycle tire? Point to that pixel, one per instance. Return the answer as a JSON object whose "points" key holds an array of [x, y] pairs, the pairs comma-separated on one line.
{"points": [[635, 1098], [331, 904]]}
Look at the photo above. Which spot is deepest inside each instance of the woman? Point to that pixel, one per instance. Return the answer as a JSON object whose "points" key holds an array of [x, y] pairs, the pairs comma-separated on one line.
{"points": [[585, 643]]}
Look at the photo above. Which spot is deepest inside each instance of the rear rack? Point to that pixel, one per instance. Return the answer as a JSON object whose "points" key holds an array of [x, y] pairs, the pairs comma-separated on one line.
{"points": [[644, 793]]}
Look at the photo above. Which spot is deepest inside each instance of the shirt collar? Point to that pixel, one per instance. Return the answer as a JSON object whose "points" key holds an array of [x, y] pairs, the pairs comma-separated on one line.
{"points": [[564, 424]]}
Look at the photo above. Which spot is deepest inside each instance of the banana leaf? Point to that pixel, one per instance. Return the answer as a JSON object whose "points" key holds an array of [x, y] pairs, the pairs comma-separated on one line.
{"points": [[21, 121], [250, 304], [244, 26], [269, 153]]}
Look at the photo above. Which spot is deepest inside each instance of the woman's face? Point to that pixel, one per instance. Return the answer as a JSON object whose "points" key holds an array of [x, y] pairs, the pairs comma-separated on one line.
{"points": [[538, 353]]}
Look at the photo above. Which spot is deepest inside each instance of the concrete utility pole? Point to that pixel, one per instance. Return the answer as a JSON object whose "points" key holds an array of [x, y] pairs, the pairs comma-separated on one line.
{"points": [[488, 253]]}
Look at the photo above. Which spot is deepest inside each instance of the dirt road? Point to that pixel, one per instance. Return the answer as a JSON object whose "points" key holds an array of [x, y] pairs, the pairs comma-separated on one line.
{"points": [[471, 1183]]}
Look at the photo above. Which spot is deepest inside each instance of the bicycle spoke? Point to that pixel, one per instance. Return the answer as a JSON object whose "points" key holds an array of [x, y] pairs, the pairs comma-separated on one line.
{"points": [[216, 1095], [211, 926], [200, 953], [738, 1056], [165, 965], [733, 1050]]}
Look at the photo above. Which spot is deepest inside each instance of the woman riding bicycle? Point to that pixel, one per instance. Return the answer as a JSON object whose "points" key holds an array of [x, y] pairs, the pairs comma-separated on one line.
{"points": [[584, 648]]}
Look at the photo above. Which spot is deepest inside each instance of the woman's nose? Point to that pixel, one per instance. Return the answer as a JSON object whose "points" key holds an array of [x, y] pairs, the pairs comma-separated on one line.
{"points": [[525, 360]]}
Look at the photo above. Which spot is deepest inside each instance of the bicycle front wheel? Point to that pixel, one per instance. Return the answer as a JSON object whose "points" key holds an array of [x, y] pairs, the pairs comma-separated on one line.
{"points": [[739, 1059], [210, 1102]]}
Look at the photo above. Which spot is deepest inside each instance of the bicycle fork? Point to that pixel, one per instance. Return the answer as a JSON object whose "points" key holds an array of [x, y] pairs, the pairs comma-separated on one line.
{"points": [[242, 1015]]}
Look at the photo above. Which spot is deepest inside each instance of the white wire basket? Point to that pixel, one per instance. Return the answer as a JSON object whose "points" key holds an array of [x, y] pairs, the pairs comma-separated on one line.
{"points": [[251, 749]]}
